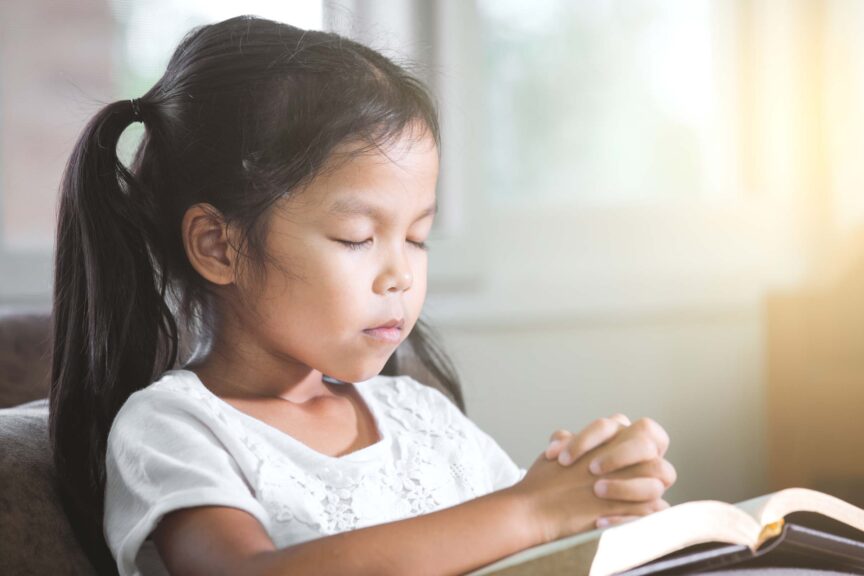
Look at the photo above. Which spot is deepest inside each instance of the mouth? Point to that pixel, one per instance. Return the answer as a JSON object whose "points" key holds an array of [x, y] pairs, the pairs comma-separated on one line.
{"points": [[389, 332]]}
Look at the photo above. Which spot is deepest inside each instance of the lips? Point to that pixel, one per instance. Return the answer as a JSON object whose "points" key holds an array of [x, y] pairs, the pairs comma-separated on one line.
{"points": [[390, 331], [395, 323]]}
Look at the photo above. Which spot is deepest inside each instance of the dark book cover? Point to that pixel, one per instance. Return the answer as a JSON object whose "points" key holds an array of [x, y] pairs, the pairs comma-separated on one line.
{"points": [[797, 546]]}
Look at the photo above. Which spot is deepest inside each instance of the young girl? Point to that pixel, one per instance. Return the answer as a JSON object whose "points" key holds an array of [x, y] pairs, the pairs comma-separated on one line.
{"points": [[278, 207]]}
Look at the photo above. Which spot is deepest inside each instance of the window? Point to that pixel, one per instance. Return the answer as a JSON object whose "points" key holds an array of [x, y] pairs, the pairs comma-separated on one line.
{"points": [[652, 156], [598, 102], [60, 62]]}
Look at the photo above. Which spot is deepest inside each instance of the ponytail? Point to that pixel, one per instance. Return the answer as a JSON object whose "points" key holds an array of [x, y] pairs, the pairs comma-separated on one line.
{"points": [[112, 327]]}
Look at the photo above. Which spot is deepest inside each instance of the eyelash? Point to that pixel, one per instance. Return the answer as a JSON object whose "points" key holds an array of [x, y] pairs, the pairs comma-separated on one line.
{"points": [[359, 245]]}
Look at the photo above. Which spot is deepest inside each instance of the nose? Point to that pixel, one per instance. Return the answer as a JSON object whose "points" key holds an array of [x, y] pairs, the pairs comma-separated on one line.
{"points": [[396, 274]]}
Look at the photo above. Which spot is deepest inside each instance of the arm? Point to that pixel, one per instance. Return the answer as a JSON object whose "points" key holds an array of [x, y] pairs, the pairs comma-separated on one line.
{"points": [[219, 540], [550, 502]]}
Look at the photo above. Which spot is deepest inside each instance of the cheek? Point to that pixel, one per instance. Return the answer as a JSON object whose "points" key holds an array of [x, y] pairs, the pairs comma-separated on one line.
{"points": [[332, 288], [421, 271], [417, 295], [317, 269]]}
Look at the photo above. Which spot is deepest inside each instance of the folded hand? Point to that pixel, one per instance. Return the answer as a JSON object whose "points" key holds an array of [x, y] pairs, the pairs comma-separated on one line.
{"points": [[627, 459]]}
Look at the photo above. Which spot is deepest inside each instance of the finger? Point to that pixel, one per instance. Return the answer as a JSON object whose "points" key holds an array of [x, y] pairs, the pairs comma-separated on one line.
{"points": [[557, 441], [630, 490], [624, 509], [614, 520], [560, 434], [621, 418], [609, 521], [598, 432], [574, 455], [658, 468], [651, 429], [639, 448]]}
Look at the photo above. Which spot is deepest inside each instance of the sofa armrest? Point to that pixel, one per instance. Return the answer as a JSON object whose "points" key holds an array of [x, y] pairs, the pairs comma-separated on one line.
{"points": [[36, 536], [25, 363]]}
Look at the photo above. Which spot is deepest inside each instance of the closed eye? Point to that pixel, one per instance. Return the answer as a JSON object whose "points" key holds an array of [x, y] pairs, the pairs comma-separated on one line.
{"points": [[355, 245], [362, 244]]}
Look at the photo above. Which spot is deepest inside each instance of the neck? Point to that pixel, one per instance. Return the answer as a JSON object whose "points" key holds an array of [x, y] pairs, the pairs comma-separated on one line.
{"points": [[239, 370]]}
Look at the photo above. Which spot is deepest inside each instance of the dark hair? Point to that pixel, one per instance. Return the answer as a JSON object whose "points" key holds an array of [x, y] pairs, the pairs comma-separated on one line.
{"points": [[247, 111]]}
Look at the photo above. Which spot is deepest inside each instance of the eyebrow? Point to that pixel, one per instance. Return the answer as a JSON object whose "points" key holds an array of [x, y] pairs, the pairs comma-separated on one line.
{"points": [[355, 207]]}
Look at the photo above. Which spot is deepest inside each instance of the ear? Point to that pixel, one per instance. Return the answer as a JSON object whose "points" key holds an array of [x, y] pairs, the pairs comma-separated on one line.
{"points": [[208, 243]]}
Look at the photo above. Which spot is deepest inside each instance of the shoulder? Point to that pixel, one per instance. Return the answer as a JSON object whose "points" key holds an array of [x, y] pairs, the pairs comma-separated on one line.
{"points": [[175, 388], [176, 399]]}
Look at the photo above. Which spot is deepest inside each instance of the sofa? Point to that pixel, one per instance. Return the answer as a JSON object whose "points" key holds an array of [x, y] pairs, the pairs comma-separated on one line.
{"points": [[35, 537]]}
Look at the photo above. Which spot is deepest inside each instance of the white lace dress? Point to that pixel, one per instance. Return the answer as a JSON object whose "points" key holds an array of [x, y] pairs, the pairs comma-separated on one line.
{"points": [[176, 445]]}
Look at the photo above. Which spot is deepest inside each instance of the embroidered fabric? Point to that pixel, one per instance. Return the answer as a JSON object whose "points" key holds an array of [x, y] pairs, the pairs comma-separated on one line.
{"points": [[423, 475], [429, 456]]}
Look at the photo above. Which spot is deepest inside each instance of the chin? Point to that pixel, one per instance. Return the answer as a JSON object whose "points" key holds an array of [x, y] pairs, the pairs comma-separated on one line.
{"points": [[356, 365], [356, 373]]}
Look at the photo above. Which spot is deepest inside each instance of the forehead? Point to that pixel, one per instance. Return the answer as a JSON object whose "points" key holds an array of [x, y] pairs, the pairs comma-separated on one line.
{"points": [[358, 178]]}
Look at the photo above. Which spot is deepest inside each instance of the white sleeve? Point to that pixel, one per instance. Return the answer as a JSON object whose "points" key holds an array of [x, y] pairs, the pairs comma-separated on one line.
{"points": [[161, 457], [503, 472]]}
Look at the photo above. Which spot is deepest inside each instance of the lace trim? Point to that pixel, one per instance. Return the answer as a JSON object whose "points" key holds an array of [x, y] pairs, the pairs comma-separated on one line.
{"points": [[435, 465]]}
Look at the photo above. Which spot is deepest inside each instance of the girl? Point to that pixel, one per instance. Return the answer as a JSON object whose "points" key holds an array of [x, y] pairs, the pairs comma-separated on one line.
{"points": [[278, 206]]}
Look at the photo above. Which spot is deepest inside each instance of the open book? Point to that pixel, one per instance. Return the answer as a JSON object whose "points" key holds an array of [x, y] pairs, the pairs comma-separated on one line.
{"points": [[702, 534]]}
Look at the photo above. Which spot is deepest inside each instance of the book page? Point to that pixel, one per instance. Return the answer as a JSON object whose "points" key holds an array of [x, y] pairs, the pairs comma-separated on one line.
{"points": [[774, 507], [676, 528], [634, 543]]}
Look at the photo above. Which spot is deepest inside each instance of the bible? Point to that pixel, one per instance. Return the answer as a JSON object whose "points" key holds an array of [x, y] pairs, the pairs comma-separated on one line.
{"points": [[704, 535]]}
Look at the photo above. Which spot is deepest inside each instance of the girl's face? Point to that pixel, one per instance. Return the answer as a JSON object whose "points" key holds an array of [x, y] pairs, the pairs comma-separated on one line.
{"points": [[347, 275]]}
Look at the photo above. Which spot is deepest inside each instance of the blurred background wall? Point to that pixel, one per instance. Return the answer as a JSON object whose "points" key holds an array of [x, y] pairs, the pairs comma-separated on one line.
{"points": [[647, 206]]}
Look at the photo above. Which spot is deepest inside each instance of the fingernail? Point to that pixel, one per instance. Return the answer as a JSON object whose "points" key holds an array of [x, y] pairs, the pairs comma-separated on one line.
{"points": [[565, 459], [601, 488], [602, 523], [596, 467], [554, 445]]}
